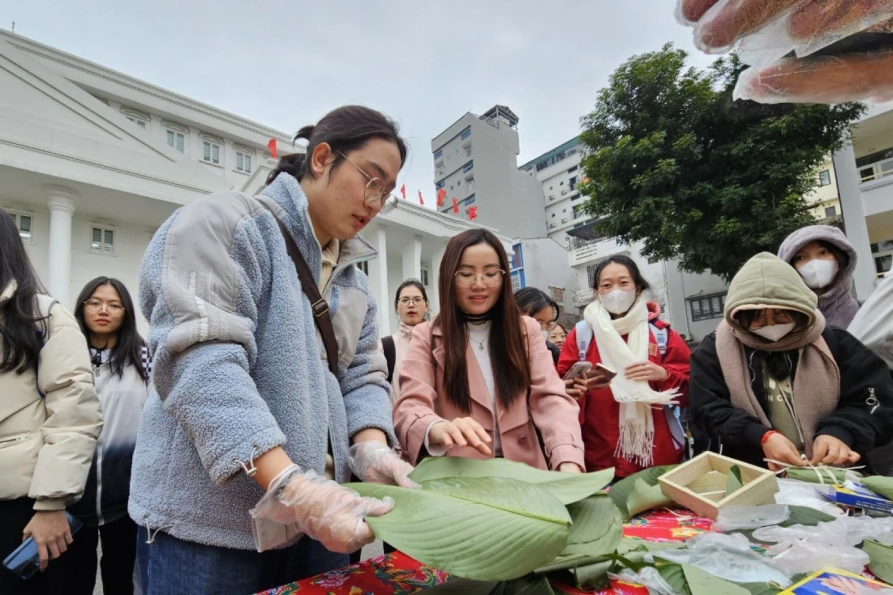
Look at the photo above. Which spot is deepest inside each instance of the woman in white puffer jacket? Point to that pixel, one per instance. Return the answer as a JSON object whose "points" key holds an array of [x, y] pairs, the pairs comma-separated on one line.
{"points": [[50, 417]]}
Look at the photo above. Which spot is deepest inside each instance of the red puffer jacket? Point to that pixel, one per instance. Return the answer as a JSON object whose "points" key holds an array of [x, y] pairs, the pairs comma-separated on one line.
{"points": [[600, 413]]}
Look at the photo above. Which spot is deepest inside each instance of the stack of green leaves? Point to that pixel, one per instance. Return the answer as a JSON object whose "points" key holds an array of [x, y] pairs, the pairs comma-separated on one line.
{"points": [[493, 520]]}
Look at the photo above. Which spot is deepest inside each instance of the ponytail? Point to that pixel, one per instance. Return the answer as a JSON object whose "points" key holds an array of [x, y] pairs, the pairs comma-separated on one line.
{"points": [[344, 129]]}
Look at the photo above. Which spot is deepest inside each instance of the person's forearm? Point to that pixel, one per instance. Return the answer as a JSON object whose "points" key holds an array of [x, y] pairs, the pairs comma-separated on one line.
{"points": [[269, 465], [373, 434]]}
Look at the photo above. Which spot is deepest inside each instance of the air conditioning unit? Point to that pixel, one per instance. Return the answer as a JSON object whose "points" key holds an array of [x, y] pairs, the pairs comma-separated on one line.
{"points": [[438, 164], [551, 197], [564, 220], [551, 226], [563, 192]]}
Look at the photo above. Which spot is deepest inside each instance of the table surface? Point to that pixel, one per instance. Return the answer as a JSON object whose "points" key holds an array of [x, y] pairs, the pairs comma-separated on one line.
{"points": [[398, 574]]}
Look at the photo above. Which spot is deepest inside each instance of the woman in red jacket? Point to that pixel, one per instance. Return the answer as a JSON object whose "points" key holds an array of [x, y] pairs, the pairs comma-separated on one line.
{"points": [[626, 419]]}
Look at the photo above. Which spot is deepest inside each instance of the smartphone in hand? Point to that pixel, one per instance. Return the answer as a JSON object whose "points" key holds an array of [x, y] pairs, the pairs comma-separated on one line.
{"points": [[25, 560], [577, 370], [605, 371]]}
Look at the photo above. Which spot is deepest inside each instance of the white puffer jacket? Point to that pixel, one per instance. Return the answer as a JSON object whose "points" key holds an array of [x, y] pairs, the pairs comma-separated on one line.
{"points": [[47, 440]]}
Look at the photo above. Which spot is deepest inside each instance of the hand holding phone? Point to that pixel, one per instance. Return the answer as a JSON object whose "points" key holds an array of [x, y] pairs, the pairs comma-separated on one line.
{"points": [[577, 370], [28, 558], [604, 371]]}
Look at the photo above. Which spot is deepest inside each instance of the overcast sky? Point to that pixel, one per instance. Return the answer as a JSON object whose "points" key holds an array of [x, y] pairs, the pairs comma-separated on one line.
{"points": [[286, 63]]}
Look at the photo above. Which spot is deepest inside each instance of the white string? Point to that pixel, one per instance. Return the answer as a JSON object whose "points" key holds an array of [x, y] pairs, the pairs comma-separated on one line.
{"points": [[817, 468]]}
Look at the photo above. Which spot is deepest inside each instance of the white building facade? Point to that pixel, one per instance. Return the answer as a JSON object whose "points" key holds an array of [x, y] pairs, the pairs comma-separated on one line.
{"points": [[92, 161]]}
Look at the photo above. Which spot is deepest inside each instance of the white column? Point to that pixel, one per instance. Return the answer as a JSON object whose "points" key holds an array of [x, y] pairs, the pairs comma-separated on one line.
{"points": [[434, 279], [384, 292], [61, 202], [850, 193], [412, 259]]}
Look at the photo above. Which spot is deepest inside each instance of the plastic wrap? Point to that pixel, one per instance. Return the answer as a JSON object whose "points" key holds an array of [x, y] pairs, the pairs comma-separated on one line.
{"points": [[750, 517], [798, 493], [807, 556], [729, 557], [647, 577]]}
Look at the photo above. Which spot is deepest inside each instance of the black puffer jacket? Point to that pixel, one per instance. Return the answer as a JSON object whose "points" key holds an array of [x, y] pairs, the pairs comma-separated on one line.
{"points": [[863, 420]]}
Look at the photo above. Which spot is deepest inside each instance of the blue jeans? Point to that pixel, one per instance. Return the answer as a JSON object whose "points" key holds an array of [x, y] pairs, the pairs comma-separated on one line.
{"points": [[170, 566]]}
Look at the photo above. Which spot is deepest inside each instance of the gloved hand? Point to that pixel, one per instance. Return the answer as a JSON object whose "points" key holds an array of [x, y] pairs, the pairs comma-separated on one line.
{"points": [[767, 30], [322, 509], [376, 463]]}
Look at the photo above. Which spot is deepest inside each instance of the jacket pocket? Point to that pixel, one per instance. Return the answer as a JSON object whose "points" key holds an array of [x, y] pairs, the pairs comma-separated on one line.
{"points": [[18, 458]]}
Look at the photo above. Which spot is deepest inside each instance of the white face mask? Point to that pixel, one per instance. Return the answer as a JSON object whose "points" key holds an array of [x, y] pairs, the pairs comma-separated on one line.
{"points": [[819, 273], [776, 332], [618, 301]]}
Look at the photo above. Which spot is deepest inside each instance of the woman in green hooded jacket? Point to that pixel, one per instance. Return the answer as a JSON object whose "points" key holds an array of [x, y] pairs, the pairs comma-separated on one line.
{"points": [[775, 386]]}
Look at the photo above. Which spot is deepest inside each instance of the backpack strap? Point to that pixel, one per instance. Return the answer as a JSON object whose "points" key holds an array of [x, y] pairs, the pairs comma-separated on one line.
{"points": [[584, 339], [390, 354], [662, 335]]}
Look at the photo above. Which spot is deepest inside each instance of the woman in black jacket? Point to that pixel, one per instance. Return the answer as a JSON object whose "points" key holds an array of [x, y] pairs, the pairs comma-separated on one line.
{"points": [[775, 383]]}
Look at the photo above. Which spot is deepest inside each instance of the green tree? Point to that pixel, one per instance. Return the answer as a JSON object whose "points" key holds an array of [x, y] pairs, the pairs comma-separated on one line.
{"points": [[673, 162]]}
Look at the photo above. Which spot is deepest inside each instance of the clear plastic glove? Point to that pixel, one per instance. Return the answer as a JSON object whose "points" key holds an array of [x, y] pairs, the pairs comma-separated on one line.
{"points": [[321, 509], [376, 463]]}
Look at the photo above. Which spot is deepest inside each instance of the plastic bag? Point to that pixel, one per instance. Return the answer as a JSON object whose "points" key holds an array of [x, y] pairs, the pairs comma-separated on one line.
{"points": [[807, 556], [729, 557], [833, 532], [647, 577], [798, 493], [750, 517]]}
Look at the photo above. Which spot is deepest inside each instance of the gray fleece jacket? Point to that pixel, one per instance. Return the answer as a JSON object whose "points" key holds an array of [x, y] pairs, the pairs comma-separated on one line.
{"points": [[838, 304], [239, 367]]}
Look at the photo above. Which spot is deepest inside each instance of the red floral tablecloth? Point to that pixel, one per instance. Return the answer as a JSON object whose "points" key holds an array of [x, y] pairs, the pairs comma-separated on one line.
{"points": [[398, 574]]}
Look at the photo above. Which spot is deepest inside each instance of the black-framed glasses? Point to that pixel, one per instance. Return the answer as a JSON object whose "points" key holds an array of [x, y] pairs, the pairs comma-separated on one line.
{"points": [[490, 277], [94, 305], [376, 192]]}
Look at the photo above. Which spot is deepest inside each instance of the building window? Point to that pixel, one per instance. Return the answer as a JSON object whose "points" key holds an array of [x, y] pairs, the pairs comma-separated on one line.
{"points": [[517, 256], [438, 154], [103, 240], [212, 153], [573, 182], [468, 167], [518, 280], [24, 223], [830, 212], [883, 257], [466, 134], [177, 140], [707, 307], [243, 162], [573, 169], [425, 277], [579, 211], [364, 266], [137, 121], [825, 177]]}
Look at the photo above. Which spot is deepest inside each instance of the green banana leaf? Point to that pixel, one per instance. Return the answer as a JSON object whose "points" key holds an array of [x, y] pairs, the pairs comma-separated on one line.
{"points": [[596, 529], [527, 585], [880, 559], [567, 487], [735, 482], [829, 475], [622, 490], [691, 580], [879, 485], [645, 497], [488, 529]]}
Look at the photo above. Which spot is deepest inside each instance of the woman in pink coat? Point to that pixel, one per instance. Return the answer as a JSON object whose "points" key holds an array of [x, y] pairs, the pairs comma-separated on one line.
{"points": [[478, 380]]}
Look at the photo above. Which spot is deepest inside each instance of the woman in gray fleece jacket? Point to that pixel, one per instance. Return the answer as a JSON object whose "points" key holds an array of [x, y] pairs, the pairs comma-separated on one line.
{"points": [[244, 413], [825, 260]]}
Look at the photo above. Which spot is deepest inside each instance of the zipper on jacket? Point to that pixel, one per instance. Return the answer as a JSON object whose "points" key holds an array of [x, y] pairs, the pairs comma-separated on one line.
{"points": [[872, 401], [16, 439], [99, 480]]}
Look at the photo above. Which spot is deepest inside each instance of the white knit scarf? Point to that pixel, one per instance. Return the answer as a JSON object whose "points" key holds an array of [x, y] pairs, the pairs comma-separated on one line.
{"points": [[636, 441]]}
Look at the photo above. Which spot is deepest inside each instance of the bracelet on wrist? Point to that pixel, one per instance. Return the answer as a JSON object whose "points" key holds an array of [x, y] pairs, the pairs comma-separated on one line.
{"points": [[766, 436]]}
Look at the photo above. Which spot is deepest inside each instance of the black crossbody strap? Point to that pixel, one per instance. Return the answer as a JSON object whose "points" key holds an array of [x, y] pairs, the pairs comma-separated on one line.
{"points": [[317, 303]]}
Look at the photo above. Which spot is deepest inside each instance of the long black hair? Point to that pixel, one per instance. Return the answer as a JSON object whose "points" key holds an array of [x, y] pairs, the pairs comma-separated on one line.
{"points": [[128, 349], [532, 300], [344, 129], [21, 321]]}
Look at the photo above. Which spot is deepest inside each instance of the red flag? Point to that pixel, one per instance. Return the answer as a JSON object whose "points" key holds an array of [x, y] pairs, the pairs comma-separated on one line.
{"points": [[403, 191], [455, 205], [421, 200], [472, 213], [441, 196], [272, 146]]}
